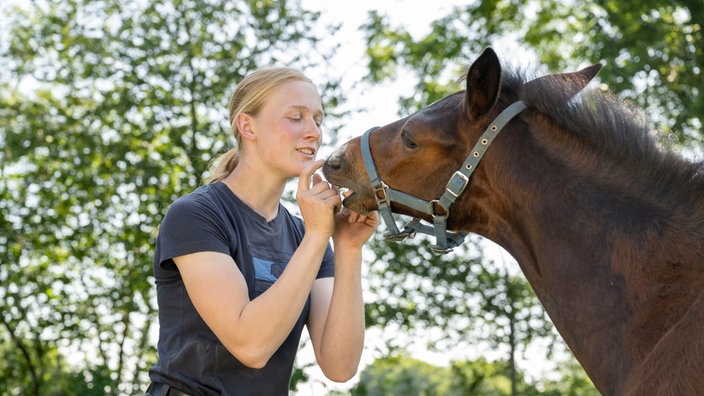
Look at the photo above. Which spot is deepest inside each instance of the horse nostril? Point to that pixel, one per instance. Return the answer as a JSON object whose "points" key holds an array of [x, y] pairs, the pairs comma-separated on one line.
{"points": [[334, 162]]}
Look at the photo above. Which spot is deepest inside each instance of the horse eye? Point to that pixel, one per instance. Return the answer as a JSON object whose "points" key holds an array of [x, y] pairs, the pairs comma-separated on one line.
{"points": [[408, 142]]}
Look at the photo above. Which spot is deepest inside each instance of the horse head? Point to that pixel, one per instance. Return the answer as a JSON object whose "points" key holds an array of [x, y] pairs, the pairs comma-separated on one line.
{"points": [[419, 154]]}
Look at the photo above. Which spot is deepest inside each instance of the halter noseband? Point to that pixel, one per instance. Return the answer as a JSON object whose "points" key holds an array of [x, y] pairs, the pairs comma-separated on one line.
{"points": [[384, 195]]}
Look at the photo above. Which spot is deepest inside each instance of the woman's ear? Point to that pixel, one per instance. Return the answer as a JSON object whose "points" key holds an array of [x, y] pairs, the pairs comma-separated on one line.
{"points": [[245, 126]]}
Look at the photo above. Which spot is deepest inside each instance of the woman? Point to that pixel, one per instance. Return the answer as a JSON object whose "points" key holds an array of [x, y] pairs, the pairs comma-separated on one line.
{"points": [[238, 276]]}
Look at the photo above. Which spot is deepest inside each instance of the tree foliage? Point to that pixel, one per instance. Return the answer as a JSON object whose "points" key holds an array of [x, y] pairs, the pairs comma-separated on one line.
{"points": [[110, 110], [470, 298], [402, 375], [650, 51]]}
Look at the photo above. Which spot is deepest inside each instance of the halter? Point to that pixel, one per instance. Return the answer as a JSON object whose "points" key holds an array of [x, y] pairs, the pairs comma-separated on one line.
{"points": [[384, 195]]}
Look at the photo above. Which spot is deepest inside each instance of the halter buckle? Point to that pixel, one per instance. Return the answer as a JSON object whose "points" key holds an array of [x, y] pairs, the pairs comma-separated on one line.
{"points": [[380, 193], [457, 183]]}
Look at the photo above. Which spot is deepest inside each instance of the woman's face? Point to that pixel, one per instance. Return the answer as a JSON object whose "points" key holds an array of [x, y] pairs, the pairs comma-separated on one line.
{"points": [[287, 128]]}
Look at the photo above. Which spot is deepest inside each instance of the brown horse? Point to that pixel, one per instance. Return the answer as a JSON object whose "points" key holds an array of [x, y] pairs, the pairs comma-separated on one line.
{"points": [[607, 227]]}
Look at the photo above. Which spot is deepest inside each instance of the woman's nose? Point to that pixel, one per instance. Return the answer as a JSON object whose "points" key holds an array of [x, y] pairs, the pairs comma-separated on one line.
{"points": [[313, 129]]}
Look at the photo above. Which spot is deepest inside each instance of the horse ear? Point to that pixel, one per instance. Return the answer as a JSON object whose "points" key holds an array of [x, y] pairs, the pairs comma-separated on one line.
{"points": [[483, 83], [567, 84]]}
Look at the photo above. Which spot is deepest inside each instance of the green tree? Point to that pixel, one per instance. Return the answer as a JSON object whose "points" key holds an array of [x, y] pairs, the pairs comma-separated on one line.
{"points": [[64, 379], [403, 375], [109, 111], [398, 375], [573, 381], [513, 312], [650, 50]]}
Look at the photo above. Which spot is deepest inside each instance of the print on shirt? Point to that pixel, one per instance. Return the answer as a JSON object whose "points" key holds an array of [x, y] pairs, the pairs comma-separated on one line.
{"points": [[267, 272]]}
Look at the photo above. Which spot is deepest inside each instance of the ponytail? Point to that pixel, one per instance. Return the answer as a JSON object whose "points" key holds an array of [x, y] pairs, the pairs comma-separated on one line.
{"points": [[224, 165]]}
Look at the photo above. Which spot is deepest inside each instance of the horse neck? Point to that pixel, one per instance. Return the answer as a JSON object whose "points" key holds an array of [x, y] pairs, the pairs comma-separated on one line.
{"points": [[598, 242]]}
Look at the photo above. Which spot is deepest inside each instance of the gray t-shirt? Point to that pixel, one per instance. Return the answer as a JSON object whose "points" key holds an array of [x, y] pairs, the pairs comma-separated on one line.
{"points": [[191, 358]]}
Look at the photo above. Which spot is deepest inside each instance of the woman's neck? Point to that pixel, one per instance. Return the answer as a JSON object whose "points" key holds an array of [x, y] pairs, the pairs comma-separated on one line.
{"points": [[261, 193]]}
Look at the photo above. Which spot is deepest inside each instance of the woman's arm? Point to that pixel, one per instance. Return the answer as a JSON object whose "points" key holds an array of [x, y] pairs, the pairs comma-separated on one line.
{"points": [[251, 330], [336, 320]]}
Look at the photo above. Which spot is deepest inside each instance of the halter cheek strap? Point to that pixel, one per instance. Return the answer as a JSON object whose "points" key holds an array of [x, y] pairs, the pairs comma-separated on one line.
{"points": [[446, 240]]}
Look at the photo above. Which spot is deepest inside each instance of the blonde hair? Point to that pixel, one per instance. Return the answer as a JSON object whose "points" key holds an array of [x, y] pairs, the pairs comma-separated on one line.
{"points": [[249, 97]]}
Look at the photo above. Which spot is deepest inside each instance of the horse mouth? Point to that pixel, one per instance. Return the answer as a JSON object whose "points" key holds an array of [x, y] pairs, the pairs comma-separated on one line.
{"points": [[346, 194], [356, 196], [355, 201]]}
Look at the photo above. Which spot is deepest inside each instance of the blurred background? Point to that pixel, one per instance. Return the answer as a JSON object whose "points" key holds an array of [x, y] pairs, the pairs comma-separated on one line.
{"points": [[109, 110]]}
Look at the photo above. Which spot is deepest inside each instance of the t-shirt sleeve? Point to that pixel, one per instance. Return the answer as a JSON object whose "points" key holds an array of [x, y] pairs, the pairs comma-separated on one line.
{"points": [[190, 226], [327, 268]]}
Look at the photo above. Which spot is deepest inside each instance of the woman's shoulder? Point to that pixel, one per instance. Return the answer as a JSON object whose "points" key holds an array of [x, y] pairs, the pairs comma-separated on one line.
{"points": [[203, 198], [212, 193]]}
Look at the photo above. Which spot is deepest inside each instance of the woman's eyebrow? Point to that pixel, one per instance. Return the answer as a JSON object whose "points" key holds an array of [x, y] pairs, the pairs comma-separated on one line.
{"points": [[317, 113]]}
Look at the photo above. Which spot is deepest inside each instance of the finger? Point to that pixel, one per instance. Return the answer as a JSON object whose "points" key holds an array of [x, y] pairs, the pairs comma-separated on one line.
{"points": [[352, 217], [373, 219], [326, 194], [322, 187], [335, 200], [330, 202], [304, 178], [317, 178]]}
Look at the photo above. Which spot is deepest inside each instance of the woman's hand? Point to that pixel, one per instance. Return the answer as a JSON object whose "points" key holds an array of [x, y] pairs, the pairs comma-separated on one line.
{"points": [[352, 229], [317, 200]]}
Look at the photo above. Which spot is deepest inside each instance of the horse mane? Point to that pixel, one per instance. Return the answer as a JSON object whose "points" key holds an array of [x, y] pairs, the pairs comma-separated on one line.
{"points": [[616, 130], [596, 117]]}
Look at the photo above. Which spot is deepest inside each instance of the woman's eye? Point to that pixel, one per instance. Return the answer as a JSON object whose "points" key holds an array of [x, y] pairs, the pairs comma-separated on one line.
{"points": [[408, 142]]}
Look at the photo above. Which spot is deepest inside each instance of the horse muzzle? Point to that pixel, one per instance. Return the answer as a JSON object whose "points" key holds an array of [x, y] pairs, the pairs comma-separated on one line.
{"points": [[340, 169]]}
